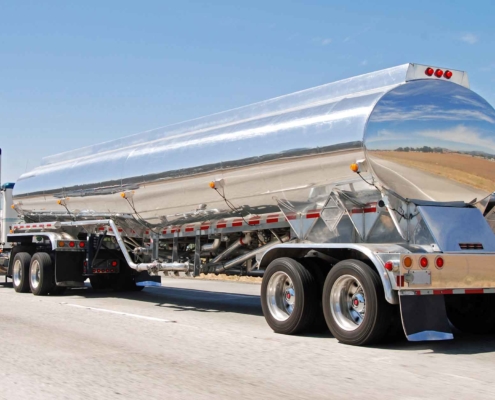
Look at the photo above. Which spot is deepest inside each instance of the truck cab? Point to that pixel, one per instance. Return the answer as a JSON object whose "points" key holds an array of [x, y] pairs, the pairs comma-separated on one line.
{"points": [[8, 217]]}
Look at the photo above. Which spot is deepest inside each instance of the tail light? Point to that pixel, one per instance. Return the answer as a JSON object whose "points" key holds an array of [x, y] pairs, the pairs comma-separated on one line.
{"points": [[82, 245], [114, 263], [389, 266], [438, 73], [439, 263], [72, 244], [423, 262]]}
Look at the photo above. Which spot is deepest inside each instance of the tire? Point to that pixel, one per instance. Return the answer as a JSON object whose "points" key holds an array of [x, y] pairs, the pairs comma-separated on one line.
{"points": [[319, 269], [471, 313], [354, 304], [20, 272], [41, 274], [99, 282], [289, 296]]}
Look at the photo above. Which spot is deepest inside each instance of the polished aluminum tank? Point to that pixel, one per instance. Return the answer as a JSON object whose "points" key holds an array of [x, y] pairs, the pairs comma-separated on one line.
{"points": [[424, 137]]}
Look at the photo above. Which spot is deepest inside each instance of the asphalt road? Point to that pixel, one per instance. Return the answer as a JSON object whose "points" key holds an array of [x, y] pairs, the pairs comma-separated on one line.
{"points": [[194, 339]]}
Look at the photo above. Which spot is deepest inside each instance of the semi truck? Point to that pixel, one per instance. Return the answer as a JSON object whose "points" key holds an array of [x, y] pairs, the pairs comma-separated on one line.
{"points": [[364, 204]]}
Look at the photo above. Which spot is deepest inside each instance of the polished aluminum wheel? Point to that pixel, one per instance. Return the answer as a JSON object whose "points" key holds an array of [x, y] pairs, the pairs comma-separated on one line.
{"points": [[34, 273], [280, 296], [348, 302], [17, 272]]}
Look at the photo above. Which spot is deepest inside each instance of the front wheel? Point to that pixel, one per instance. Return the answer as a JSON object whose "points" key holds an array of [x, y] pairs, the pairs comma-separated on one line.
{"points": [[288, 296], [354, 304]]}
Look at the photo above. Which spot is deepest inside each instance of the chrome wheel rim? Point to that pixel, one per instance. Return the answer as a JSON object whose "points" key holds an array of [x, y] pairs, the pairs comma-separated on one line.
{"points": [[17, 273], [280, 296], [35, 274], [348, 302]]}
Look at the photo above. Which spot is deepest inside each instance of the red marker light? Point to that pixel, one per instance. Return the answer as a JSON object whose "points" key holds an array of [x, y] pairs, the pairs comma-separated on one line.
{"points": [[448, 74], [82, 245], [439, 73], [439, 262], [72, 244], [114, 263], [429, 71], [423, 261], [389, 266]]}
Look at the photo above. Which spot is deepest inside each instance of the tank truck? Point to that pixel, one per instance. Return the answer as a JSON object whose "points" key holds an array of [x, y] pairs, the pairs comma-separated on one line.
{"points": [[365, 205]]}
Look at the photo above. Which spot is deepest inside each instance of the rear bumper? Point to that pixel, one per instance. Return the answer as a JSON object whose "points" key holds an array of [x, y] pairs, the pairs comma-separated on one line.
{"points": [[461, 273]]}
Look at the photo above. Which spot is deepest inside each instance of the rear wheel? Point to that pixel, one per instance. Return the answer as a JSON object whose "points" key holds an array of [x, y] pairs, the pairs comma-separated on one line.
{"points": [[471, 313], [20, 272], [41, 274], [288, 296], [354, 304]]}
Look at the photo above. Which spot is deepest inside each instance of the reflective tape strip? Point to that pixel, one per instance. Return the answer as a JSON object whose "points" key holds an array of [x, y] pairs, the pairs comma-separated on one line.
{"points": [[423, 292]]}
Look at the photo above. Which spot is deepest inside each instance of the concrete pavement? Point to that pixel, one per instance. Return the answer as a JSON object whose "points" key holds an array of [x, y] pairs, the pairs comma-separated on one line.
{"points": [[194, 339]]}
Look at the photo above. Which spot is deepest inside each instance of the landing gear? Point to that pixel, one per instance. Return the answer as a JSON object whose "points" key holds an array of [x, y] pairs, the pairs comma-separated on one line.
{"points": [[288, 296]]}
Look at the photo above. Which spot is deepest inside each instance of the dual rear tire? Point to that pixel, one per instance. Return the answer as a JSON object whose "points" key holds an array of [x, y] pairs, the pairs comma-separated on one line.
{"points": [[34, 274], [351, 301]]}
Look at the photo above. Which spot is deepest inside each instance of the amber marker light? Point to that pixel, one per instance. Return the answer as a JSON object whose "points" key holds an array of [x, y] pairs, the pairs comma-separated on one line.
{"points": [[61, 244], [212, 185], [407, 262], [354, 167], [122, 195]]}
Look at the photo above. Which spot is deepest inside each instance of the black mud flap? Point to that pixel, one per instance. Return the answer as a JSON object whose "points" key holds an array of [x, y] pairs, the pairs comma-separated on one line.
{"points": [[424, 317], [145, 279]]}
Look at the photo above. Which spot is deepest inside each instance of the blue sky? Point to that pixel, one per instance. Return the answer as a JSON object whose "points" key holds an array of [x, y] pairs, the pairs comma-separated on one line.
{"points": [[76, 73]]}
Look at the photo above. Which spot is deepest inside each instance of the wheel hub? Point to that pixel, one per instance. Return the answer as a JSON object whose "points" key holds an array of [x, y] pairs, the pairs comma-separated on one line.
{"points": [[280, 296], [358, 303], [348, 302]]}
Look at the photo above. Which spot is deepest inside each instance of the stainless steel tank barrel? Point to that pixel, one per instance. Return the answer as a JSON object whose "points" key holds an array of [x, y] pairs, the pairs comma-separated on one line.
{"points": [[410, 126]]}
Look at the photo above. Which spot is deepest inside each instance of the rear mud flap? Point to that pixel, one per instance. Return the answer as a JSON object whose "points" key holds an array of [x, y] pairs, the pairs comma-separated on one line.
{"points": [[424, 317]]}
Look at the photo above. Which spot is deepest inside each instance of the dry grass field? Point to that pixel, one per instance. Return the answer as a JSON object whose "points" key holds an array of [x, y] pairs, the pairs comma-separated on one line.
{"points": [[472, 171]]}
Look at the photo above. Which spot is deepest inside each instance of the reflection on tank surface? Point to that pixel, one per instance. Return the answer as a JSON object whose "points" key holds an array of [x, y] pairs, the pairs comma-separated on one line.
{"points": [[433, 141]]}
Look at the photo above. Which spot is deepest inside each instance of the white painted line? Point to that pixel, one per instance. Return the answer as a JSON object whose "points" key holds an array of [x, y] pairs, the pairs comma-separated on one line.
{"points": [[407, 180], [117, 312]]}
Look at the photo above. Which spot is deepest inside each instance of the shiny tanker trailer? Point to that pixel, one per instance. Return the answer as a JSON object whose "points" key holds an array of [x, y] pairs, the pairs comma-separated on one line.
{"points": [[365, 204]]}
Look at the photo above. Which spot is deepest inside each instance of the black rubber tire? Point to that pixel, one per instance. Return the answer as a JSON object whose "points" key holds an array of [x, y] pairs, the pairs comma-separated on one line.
{"points": [[99, 282], [25, 260], [378, 315], [306, 303], [319, 269], [47, 274], [471, 313]]}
